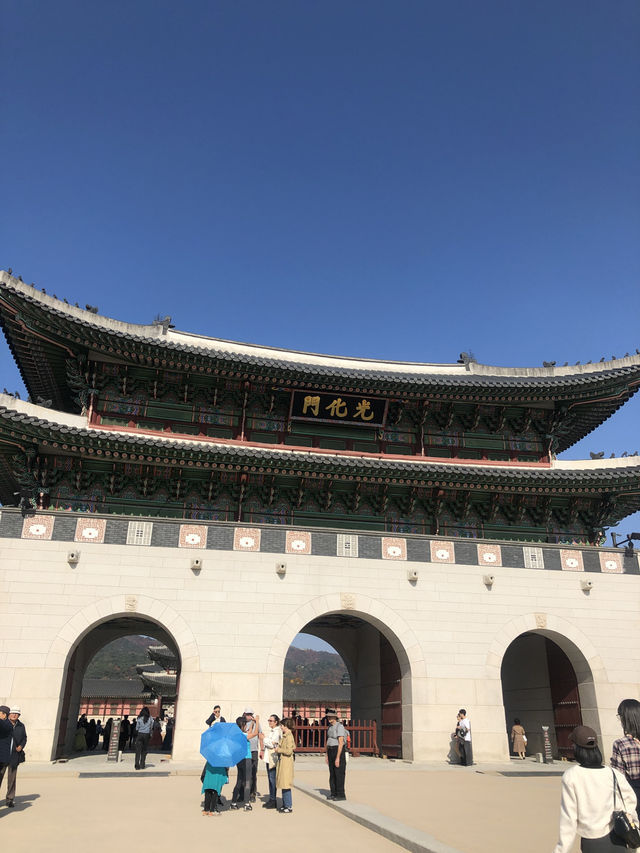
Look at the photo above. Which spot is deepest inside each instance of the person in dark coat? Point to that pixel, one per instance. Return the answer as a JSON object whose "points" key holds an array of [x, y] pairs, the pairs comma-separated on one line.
{"points": [[6, 733], [107, 734], [17, 740], [125, 731]]}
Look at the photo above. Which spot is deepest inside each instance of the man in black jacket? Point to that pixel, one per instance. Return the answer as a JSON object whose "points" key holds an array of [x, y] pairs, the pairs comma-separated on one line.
{"points": [[215, 717], [12, 743]]}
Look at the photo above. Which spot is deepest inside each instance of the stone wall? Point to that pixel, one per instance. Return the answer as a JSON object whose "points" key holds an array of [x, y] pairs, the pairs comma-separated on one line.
{"points": [[233, 617]]}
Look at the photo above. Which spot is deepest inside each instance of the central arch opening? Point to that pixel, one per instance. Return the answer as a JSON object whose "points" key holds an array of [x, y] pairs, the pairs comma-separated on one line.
{"points": [[155, 683], [379, 677]]}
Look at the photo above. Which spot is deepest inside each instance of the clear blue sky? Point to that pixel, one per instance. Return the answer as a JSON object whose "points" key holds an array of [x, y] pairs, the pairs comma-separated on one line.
{"points": [[402, 179]]}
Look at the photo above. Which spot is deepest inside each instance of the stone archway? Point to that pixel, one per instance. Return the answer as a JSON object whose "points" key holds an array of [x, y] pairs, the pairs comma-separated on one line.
{"points": [[121, 616], [548, 674], [366, 633]]}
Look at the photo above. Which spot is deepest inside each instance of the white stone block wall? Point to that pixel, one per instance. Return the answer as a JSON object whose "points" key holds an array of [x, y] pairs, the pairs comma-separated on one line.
{"points": [[233, 623]]}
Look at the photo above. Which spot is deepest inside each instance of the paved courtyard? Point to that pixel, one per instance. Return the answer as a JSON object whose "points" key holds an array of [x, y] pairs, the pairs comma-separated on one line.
{"points": [[477, 810]]}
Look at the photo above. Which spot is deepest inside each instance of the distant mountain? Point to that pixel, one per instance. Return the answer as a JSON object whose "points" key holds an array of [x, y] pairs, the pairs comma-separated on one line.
{"points": [[305, 666], [302, 666], [119, 658]]}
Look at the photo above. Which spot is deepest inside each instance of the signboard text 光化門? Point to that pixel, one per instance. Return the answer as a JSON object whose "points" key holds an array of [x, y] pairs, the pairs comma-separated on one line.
{"points": [[338, 408]]}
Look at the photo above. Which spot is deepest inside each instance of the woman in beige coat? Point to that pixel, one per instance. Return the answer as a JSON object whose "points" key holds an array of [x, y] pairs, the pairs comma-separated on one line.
{"points": [[284, 768], [519, 739]]}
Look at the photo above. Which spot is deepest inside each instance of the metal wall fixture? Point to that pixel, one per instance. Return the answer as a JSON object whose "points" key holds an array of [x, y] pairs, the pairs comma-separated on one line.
{"points": [[73, 558], [281, 569]]}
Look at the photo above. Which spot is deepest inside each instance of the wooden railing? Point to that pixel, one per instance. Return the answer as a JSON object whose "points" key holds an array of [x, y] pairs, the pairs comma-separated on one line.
{"points": [[364, 737]]}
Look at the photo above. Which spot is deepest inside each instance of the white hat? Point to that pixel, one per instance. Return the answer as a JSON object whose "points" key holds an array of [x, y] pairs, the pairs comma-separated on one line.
{"points": [[15, 710], [248, 710]]}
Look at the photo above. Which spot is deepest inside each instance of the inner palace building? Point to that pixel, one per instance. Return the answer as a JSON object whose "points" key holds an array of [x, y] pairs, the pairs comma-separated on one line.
{"points": [[222, 497]]}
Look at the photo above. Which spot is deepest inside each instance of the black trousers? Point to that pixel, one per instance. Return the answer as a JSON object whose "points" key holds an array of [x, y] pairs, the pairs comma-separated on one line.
{"points": [[210, 799], [466, 753], [254, 773], [336, 774], [242, 790], [606, 844], [142, 745]]}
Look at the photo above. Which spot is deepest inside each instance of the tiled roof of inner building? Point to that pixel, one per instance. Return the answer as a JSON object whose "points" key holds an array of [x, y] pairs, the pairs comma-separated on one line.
{"points": [[220, 454], [112, 688], [473, 376]]}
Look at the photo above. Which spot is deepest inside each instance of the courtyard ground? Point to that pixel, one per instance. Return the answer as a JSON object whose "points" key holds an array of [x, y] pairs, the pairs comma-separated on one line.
{"points": [[470, 810]]}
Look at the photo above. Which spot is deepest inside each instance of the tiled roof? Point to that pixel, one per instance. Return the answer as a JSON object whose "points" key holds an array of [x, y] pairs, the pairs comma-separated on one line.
{"points": [[313, 367], [113, 688], [41, 425]]}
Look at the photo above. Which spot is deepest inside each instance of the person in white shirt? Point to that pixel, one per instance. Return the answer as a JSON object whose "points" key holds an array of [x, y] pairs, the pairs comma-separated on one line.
{"points": [[464, 736], [272, 738], [587, 803]]}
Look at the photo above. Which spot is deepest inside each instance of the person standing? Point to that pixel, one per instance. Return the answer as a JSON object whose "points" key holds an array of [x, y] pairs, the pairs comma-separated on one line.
{"points": [[272, 738], [257, 749], [336, 756], [213, 780], [17, 737], [143, 727], [519, 738], [587, 802], [215, 717], [464, 729], [242, 789], [625, 755], [6, 735], [107, 734], [125, 731], [284, 768]]}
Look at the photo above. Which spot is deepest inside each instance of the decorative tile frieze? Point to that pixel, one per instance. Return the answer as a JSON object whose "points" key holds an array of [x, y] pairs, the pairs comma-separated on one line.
{"points": [[347, 545], [99, 530], [489, 555], [611, 563], [38, 527], [246, 539], [298, 543], [139, 532], [90, 530], [571, 561], [394, 548], [533, 557], [442, 552], [192, 536]]}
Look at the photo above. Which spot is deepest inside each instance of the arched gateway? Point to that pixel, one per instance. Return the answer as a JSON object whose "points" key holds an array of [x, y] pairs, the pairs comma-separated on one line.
{"points": [[233, 495]]}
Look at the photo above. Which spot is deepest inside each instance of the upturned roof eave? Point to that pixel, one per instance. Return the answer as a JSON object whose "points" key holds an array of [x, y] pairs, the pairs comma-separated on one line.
{"points": [[252, 357]]}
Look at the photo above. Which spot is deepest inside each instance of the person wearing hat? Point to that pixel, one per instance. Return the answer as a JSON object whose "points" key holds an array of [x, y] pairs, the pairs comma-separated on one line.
{"points": [[587, 803], [12, 746], [336, 756]]}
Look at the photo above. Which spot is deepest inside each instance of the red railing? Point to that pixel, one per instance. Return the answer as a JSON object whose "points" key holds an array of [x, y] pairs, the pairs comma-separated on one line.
{"points": [[364, 737]]}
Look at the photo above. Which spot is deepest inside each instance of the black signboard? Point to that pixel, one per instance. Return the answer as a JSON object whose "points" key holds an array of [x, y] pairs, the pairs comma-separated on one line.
{"points": [[114, 739], [338, 408]]}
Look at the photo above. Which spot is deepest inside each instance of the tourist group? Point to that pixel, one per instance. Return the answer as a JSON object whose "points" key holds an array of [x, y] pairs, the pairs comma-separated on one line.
{"points": [[276, 747]]}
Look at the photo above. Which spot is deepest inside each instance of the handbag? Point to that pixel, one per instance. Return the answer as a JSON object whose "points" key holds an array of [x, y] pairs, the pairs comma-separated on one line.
{"points": [[625, 825]]}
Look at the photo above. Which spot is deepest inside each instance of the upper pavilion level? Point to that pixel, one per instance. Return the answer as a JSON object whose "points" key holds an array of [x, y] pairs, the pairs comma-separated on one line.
{"points": [[145, 419]]}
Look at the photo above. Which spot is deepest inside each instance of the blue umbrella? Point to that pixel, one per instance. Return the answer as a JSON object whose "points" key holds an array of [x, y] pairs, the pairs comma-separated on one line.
{"points": [[223, 745]]}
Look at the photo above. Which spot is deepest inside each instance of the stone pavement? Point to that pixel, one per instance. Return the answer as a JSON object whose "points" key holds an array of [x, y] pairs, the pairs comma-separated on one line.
{"points": [[428, 808]]}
